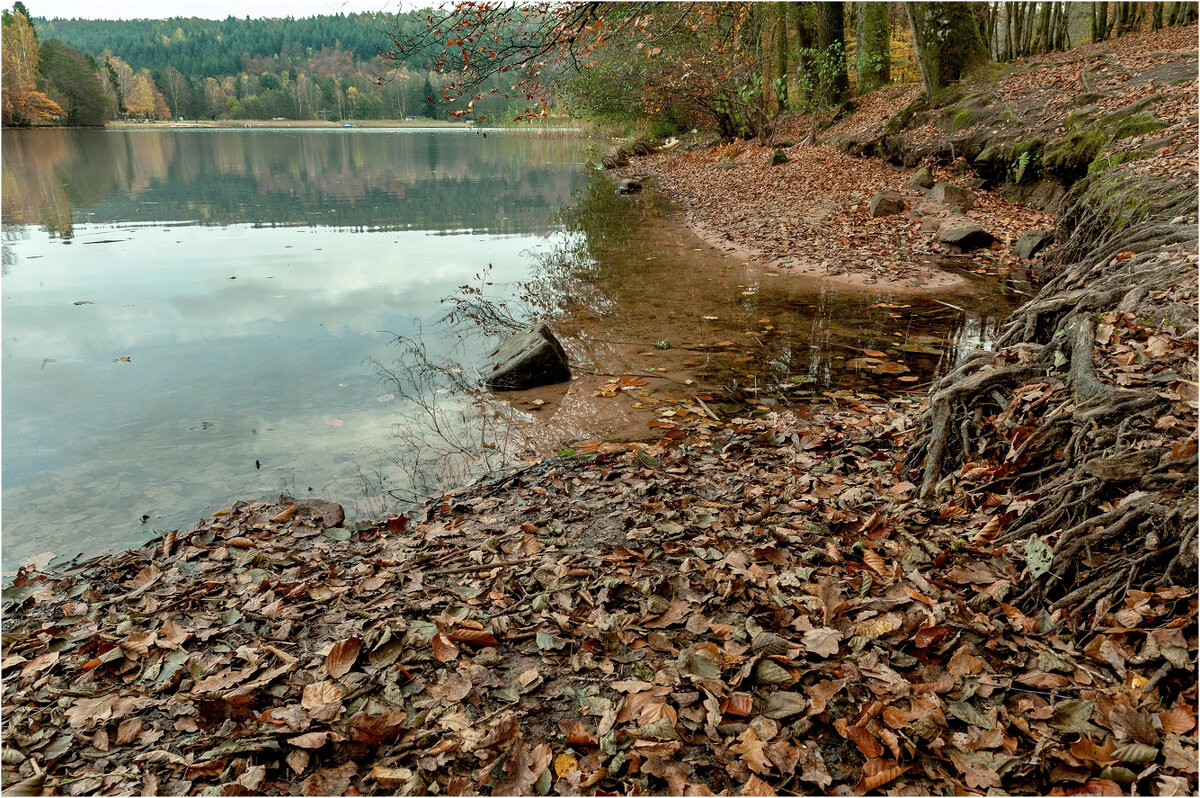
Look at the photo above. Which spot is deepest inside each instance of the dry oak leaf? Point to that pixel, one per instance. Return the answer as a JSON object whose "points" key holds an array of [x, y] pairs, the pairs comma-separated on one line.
{"points": [[756, 786], [315, 739], [330, 781], [823, 642], [876, 773], [752, 751], [342, 656]]}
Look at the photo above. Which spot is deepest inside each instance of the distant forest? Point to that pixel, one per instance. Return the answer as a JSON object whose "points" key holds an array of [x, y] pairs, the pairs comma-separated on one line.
{"points": [[79, 71], [213, 49]]}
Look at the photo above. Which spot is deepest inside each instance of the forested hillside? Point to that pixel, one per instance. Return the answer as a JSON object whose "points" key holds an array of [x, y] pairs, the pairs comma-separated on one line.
{"points": [[208, 48], [324, 67]]}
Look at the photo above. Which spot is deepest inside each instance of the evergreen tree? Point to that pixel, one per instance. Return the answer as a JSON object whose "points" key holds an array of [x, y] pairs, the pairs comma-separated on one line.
{"points": [[70, 79], [431, 111]]}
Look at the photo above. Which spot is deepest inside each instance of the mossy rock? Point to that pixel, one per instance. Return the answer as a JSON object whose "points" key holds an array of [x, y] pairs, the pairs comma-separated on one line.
{"points": [[1130, 111], [901, 120], [1107, 161], [947, 95], [1137, 125], [1068, 158], [963, 118]]}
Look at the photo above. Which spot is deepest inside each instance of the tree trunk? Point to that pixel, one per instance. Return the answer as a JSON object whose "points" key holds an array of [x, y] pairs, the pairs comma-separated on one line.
{"points": [[831, 38], [874, 67], [946, 42], [1156, 19], [801, 16], [986, 16], [781, 52]]}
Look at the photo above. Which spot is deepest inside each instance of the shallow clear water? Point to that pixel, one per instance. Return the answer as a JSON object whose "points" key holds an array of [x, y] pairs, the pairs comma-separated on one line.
{"points": [[250, 278], [280, 298]]}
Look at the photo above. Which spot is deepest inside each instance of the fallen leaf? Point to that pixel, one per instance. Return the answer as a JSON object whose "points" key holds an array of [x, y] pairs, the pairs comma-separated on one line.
{"points": [[443, 649], [342, 656]]}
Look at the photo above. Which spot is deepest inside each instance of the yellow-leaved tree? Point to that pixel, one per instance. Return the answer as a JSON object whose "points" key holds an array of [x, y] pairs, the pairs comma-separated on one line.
{"points": [[20, 102]]}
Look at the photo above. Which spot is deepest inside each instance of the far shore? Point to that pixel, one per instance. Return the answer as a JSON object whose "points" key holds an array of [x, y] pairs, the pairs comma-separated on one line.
{"points": [[124, 124]]}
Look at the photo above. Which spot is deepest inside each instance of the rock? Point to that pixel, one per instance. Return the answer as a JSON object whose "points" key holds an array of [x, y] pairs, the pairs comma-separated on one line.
{"points": [[777, 157], [886, 203], [1032, 242], [952, 195], [922, 178], [527, 359], [628, 186], [963, 233]]}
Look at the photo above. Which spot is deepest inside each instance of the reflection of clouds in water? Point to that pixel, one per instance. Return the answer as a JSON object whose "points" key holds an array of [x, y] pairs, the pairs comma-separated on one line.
{"points": [[150, 291]]}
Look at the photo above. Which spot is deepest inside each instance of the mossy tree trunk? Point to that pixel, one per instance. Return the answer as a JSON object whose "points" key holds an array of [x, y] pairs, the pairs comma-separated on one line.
{"points": [[1101, 23], [946, 41], [802, 20], [831, 33], [781, 52], [1182, 13], [874, 67]]}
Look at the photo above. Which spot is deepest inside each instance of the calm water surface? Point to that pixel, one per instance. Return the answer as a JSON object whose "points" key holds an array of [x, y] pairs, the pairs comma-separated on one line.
{"points": [[195, 317]]}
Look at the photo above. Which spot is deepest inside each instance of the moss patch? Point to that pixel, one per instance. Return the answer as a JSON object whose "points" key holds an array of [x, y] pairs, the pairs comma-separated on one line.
{"points": [[963, 118], [1069, 157], [1103, 163], [1137, 125]]}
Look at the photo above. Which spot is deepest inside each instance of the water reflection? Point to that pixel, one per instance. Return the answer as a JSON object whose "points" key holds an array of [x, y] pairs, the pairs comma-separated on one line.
{"points": [[365, 178], [251, 279]]}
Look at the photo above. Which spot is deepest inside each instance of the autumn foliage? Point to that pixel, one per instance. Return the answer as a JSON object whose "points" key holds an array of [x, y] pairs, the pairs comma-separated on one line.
{"points": [[20, 102]]}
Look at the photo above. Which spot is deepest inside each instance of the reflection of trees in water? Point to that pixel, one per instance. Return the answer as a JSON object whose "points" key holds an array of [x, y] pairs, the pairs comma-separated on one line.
{"points": [[447, 430], [446, 181]]}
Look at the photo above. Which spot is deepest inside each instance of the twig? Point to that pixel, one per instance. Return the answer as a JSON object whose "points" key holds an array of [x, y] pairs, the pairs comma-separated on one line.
{"points": [[947, 304], [1156, 677], [706, 409]]}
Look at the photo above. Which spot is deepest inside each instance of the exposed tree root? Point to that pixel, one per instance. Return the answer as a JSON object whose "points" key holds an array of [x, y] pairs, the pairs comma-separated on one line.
{"points": [[1078, 409]]}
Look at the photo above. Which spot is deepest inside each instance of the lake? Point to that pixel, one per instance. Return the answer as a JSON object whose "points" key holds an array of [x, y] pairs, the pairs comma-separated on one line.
{"points": [[192, 317]]}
